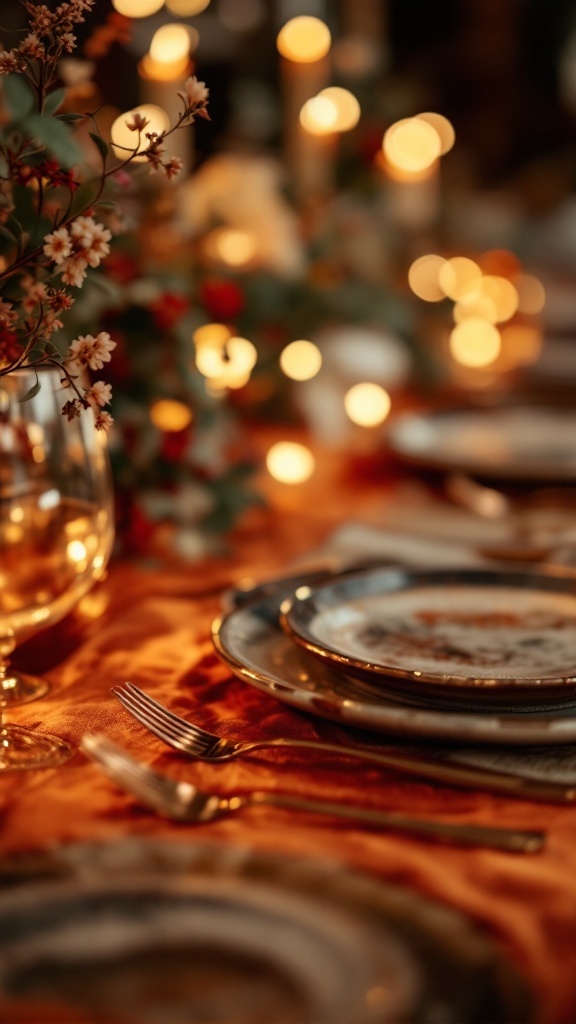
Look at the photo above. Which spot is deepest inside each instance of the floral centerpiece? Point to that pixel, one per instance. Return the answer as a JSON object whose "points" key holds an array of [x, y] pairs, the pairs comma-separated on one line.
{"points": [[56, 201]]}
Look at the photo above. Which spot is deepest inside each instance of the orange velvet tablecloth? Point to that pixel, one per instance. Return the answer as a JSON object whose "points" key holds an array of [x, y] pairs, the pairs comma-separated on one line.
{"points": [[152, 626]]}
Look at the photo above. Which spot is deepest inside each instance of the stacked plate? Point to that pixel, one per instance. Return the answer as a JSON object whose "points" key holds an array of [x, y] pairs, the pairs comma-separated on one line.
{"points": [[477, 655], [181, 933]]}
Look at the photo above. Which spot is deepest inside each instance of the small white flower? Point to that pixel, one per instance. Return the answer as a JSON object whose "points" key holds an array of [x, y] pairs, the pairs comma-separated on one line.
{"points": [[104, 421], [74, 271], [58, 245], [99, 394], [195, 92]]}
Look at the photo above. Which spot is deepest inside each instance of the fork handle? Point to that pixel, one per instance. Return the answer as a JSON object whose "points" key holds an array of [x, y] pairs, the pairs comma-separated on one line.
{"points": [[438, 770], [511, 840]]}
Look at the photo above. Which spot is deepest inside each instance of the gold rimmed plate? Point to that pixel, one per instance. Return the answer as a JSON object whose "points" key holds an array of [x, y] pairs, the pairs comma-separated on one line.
{"points": [[467, 637], [250, 641]]}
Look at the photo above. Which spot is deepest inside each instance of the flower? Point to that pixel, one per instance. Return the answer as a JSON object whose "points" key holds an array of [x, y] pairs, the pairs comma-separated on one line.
{"points": [[52, 237]]}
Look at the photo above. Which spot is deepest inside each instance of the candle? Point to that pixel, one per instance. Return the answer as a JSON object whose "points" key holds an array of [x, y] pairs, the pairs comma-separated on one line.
{"points": [[304, 43], [411, 151], [162, 74]]}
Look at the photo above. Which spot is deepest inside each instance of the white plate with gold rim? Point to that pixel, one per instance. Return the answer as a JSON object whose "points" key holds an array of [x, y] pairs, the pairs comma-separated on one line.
{"points": [[251, 642]]}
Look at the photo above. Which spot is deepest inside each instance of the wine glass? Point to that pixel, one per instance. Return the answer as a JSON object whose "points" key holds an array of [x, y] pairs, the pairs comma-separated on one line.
{"points": [[56, 534]]}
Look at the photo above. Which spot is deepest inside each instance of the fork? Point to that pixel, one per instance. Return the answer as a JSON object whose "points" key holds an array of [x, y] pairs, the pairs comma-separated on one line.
{"points": [[182, 802], [193, 741]]}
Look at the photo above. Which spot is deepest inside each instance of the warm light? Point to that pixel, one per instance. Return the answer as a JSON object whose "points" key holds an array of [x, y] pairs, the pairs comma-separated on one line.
{"points": [[502, 294], [367, 404], [477, 306], [170, 44], [423, 277], [460, 277], [235, 358], [319, 116], [411, 145], [236, 248], [304, 39], [169, 415], [186, 8], [76, 551], [531, 294], [123, 139], [211, 334], [289, 462], [137, 8], [443, 127], [501, 262], [521, 343], [301, 360], [475, 343], [347, 107]]}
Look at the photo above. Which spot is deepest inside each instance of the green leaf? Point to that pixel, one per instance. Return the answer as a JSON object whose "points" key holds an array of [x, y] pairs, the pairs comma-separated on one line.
{"points": [[20, 99], [32, 392], [101, 146], [54, 136], [85, 196], [54, 101], [107, 204]]}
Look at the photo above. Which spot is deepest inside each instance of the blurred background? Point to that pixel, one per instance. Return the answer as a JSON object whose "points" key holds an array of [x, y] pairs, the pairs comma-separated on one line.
{"points": [[380, 215]]}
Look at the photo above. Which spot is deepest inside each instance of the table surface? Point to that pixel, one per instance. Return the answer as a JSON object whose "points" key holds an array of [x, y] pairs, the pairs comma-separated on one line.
{"points": [[152, 625]]}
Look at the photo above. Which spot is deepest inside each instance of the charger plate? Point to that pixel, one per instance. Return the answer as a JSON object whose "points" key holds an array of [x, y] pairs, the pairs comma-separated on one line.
{"points": [[143, 932], [487, 638], [250, 641], [527, 443]]}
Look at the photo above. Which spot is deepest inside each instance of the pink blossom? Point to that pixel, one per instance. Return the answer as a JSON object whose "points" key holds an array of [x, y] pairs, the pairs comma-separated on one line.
{"points": [[92, 352], [172, 167], [138, 122]]}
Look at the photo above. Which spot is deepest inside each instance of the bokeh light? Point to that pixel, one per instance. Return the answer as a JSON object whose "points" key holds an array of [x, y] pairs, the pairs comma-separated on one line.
{"points": [[424, 277], [137, 8], [502, 294], [124, 140], [459, 277], [211, 334], [521, 343], [234, 247], [411, 145], [170, 44], [475, 343], [169, 415], [301, 360], [367, 404], [319, 116], [187, 8], [290, 462], [304, 39], [531, 294], [444, 128], [347, 107], [477, 306], [226, 363]]}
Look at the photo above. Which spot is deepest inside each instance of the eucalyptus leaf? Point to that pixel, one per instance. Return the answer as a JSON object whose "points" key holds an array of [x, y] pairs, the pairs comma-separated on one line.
{"points": [[54, 136], [32, 392], [54, 101], [20, 99]]}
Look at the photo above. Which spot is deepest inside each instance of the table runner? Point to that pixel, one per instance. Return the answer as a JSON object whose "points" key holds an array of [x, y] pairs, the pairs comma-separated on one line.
{"points": [[152, 626]]}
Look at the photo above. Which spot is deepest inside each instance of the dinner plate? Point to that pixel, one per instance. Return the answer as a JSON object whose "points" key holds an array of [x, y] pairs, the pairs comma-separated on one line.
{"points": [[250, 641], [486, 637], [156, 933], [531, 444]]}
